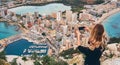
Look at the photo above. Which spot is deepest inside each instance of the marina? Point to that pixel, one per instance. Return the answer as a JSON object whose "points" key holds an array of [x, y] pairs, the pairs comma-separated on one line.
{"points": [[23, 47]]}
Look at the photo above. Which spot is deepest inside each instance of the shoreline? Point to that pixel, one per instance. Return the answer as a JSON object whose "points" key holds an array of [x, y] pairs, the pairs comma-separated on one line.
{"points": [[73, 7], [102, 20], [106, 15]]}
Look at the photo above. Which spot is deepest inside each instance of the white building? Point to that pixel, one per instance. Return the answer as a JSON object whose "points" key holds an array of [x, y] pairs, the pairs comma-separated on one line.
{"points": [[74, 17], [59, 16], [69, 16]]}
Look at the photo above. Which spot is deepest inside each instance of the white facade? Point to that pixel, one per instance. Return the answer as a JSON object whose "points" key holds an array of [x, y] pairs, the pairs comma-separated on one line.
{"points": [[74, 17], [69, 16], [59, 15], [114, 0]]}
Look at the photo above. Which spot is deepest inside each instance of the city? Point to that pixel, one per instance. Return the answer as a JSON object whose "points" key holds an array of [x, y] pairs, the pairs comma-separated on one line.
{"points": [[43, 32]]}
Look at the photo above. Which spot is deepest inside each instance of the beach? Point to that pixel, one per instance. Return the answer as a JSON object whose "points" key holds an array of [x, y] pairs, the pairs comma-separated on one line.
{"points": [[106, 15]]}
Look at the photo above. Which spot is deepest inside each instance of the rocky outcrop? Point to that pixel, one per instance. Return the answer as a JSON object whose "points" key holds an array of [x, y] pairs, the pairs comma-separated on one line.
{"points": [[111, 56], [112, 50]]}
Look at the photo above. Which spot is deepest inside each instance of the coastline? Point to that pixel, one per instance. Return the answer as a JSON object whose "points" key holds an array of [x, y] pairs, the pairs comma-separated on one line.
{"points": [[106, 15], [103, 18]]}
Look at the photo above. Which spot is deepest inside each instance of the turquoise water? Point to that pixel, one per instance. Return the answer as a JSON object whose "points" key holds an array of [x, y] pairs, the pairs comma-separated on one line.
{"points": [[7, 30], [23, 47], [44, 10], [112, 25]]}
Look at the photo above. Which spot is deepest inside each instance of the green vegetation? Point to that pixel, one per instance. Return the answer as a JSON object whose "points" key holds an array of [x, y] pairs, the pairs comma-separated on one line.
{"points": [[99, 1], [3, 62], [14, 62], [3, 59], [74, 64], [68, 54], [46, 60], [77, 5], [23, 25], [37, 63], [2, 55], [61, 63], [34, 56], [24, 58], [73, 2], [114, 40], [77, 9]]}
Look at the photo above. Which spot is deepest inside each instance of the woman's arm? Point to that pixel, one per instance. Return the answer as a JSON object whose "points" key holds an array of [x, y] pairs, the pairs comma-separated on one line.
{"points": [[82, 49], [78, 37]]}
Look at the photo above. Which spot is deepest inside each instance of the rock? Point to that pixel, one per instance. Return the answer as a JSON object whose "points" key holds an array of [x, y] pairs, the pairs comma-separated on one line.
{"points": [[106, 53], [118, 47], [116, 53], [113, 61], [112, 48]]}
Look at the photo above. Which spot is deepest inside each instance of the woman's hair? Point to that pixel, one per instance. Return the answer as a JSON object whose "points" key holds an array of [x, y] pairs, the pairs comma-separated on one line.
{"points": [[96, 36], [97, 33]]}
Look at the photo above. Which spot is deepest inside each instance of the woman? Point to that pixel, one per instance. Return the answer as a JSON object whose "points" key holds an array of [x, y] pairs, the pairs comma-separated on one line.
{"points": [[96, 45]]}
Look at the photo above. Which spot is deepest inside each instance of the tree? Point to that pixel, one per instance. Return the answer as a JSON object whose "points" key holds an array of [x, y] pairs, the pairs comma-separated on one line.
{"points": [[14, 62], [62, 63], [3, 59], [24, 58], [3, 62], [37, 63], [68, 53], [34, 56], [2, 55], [114, 40], [45, 60], [73, 2], [99, 1]]}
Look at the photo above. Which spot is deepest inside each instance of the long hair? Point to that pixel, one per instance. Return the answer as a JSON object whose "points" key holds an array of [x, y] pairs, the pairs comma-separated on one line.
{"points": [[96, 36]]}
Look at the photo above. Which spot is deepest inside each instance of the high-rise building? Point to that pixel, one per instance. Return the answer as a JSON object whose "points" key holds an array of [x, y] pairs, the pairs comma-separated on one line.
{"points": [[59, 16], [69, 16]]}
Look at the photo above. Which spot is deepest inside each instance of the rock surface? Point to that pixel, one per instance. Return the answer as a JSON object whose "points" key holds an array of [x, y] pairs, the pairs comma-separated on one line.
{"points": [[112, 61]]}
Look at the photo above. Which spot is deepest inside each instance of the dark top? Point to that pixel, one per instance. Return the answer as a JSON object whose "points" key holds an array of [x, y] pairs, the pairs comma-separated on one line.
{"points": [[92, 56]]}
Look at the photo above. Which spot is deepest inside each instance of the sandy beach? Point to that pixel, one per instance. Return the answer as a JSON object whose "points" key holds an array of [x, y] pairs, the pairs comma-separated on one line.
{"points": [[104, 16]]}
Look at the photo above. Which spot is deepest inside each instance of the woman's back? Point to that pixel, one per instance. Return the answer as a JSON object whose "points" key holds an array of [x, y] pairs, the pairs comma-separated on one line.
{"points": [[92, 56], [96, 45]]}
